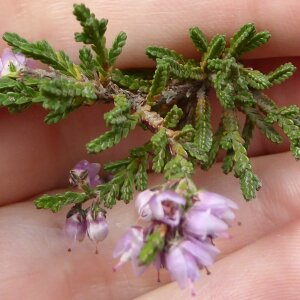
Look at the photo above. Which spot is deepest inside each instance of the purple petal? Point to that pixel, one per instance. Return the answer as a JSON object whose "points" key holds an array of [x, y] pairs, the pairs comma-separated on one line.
{"points": [[176, 265], [214, 199], [170, 196], [132, 237], [203, 224], [203, 252], [20, 58], [220, 206], [92, 169], [97, 229], [142, 204], [75, 227], [192, 268], [137, 268], [156, 207], [93, 182], [122, 245], [174, 220], [7, 55], [156, 203]]}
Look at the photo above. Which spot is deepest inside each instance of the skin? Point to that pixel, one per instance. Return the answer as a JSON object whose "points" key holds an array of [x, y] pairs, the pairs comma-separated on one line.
{"points": [[261, 261]]}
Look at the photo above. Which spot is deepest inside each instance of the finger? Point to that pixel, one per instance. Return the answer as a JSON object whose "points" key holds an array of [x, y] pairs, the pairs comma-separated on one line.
{"points": [[34, 258], [38, 251], [159, 23], [267, 269]]}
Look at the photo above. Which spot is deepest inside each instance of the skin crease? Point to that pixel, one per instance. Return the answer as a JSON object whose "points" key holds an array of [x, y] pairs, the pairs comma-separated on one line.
{"points": [[261, 261]]}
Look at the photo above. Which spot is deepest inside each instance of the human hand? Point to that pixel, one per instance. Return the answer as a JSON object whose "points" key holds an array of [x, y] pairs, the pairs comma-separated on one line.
{"points": [[261, 261]]}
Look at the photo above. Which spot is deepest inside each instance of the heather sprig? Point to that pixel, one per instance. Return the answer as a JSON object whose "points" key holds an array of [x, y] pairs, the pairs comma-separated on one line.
{"points": [[173, 102]]}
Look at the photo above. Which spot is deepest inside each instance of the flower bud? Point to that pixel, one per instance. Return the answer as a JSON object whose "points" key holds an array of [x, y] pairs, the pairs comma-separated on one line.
{"points": [[97, 227], [75, 227], [85, 172]]}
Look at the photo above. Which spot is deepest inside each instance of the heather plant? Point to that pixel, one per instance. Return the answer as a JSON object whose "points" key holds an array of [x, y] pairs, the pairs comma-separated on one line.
{"points": [[177, 221]]}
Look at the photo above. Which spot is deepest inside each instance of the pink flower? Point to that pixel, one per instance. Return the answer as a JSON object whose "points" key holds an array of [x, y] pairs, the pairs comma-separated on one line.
{"points": [[186, 258], [128, 248], [75, 227], [19, 61], [97, 228], [208, 217], [220, 206], [165, 207], [87, 173], [142, 204]]}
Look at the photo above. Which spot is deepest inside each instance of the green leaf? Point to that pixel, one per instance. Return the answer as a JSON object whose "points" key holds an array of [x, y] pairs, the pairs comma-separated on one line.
{"points": [[117, 166], [141, 176], [178, 167], [186, 134], [228, 162], [264, 126], [183, 71], [215, 48], [247, 132], [295, 149], [241, 38], [195, 152], [216, 64], [245, 97], [199, 39], [155, 53], [256, 41], [214, 150], [257, 80], [58, 201], [93, 33], [43, 52], [203, 133], [225, 90], [116, 48], [7, 83], [109, 192], [249, 184], [127, 188], [237, 158], [65, 88], [121, 121], [120, 113], [15, 102], [62, 96], [173, 117], [154, 244], [160, 79], [130, 81], [113, 137], [281, 74], [159, 142], [264, 103], [88, 64]]}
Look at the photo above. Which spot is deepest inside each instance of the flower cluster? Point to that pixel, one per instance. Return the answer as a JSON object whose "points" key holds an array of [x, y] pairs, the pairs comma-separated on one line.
{"points": [[11, 62], [179, 233], [91, 221]]}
